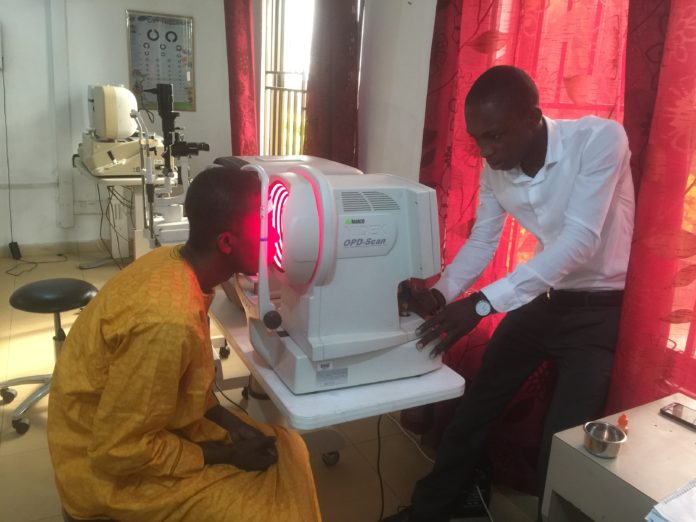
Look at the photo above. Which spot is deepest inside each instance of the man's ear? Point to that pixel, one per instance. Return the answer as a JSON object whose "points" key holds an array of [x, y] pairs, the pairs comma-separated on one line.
{"points": [[225, 242], [535, 116]]}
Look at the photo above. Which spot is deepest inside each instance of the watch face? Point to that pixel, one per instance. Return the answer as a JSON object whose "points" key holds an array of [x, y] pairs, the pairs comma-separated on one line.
{"points": [[483, 307]]}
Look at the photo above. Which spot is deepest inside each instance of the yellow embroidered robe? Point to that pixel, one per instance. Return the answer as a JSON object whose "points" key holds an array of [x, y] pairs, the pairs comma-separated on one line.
{"points": [[128, 396]]}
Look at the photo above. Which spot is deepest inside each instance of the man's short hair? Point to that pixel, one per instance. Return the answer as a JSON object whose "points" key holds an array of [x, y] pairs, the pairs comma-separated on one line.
{"points": [[509, 86], [215, 199]]}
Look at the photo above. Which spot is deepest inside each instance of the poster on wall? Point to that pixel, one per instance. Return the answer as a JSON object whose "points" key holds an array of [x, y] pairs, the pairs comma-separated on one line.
{"points": [[161, 51]]}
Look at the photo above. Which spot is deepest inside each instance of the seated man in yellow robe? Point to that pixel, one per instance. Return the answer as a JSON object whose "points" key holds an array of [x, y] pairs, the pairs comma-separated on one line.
{"points": [[134, 430]]}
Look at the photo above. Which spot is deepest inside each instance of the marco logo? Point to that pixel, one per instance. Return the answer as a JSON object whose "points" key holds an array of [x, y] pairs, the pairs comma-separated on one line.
{"points": [[351, 221]]}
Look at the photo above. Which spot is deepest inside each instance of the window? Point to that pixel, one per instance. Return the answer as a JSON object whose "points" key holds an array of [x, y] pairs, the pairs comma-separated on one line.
{"points": [[287, 38]]}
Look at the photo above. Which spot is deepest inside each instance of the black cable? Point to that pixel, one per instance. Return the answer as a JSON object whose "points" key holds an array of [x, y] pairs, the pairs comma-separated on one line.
{"points": [[379, 471], [120, 197], [30, 265], [150, 115], [111, 219], [101, 229], [112, 224], [131, 207], [122, 201], [7, 153], [483, 502], [226, 397]]}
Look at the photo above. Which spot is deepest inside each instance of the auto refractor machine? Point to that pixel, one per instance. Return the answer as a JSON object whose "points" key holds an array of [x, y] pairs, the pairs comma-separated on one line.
{"points": [[335, 245]]}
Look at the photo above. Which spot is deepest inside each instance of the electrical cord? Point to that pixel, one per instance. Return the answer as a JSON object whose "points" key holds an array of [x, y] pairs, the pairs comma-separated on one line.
{"points": [[150, 115], [101, 230], [483, 502], [379, 470], [129, 205], [226, 397], [425, 456], [7, 153], [111, 218], [379, 451], [411, 438], [28, 265], [120, 198]]}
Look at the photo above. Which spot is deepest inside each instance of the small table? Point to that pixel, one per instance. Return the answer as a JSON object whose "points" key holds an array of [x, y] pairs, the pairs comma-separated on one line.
{"points": [[121, 227], [321, 409], [658, 458]]}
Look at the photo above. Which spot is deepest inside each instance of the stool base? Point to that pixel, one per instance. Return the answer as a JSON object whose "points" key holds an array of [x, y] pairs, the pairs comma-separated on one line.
{"points": [[20, 424]]}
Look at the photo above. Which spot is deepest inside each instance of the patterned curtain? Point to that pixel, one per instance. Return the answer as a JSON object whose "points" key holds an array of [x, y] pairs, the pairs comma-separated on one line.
{"points": [[574, 49], [332, 88], [656, 354], [239, 30]]}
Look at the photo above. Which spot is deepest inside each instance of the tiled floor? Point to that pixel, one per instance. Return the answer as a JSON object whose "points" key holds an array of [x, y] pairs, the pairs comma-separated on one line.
{"points": [[348, 491]]}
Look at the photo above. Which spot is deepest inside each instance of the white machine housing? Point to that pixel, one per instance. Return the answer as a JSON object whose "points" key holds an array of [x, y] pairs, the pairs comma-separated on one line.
{"points": [[347, 242], [108, 147], [121, 157]]}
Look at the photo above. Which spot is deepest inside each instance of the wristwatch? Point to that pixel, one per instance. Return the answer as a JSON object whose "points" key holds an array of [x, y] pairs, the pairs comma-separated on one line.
{"points": [[482, 307]]}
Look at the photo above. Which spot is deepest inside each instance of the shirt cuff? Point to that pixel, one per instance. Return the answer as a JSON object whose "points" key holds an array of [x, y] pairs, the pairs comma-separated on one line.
{"points": [[448, 290], [502, 295]]}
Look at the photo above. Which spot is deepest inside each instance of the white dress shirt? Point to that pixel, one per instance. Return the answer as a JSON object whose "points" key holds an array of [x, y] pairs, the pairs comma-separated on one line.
{"points": [[579, 206]]}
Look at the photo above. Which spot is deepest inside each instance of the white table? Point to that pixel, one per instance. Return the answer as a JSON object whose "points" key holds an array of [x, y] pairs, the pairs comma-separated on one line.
{"points": [[658, 458], [320, 409], [122, 227]]}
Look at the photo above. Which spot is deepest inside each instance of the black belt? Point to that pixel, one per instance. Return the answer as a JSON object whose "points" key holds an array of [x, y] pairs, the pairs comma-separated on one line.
{"points": [[584, 298]]}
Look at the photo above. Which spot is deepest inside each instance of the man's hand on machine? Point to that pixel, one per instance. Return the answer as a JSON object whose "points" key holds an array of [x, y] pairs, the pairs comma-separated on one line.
{"points": [[449, 325], [413, 296], [256, 454]]}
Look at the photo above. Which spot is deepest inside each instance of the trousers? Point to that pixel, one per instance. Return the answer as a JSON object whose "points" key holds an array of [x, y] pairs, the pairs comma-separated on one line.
{"points": [[579, 334]]}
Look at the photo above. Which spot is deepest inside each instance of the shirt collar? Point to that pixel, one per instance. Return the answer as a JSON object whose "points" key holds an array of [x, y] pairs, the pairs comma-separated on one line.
{"points": [[554, 145], [554, 153]]}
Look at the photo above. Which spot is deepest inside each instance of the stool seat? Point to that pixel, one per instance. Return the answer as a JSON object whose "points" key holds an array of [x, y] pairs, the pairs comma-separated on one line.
{"points": [[53, 295], [50, 296]]}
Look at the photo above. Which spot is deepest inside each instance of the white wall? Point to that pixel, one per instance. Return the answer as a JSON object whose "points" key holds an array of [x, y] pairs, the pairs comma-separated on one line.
{"points": [[393, 85], [52, 50]]}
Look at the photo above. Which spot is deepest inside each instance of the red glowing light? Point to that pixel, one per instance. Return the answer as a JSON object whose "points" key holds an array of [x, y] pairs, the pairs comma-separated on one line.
{"points": [[278, 196]]}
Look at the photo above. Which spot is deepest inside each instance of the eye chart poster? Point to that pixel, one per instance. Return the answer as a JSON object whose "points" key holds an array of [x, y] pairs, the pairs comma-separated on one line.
{"points": [[161, 51]]}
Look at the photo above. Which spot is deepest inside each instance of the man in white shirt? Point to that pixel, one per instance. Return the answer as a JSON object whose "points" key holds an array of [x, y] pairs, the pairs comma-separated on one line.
{"points": [[568, 182]]}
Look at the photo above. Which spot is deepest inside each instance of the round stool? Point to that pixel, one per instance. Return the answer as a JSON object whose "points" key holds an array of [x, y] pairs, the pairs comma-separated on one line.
{"points": [[50, 296]]}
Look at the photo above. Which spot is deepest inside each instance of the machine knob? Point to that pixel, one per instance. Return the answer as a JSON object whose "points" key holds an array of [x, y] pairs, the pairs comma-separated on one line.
{"points": [[272, 319]]}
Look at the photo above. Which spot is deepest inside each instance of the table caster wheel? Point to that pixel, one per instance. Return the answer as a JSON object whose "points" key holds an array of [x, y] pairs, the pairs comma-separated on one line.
{"points": [[224, 352], [21, 426], [7, 395], [331, 458]]}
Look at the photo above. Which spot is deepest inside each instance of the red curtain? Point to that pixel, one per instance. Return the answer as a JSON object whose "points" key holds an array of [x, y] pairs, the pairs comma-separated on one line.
{"points": [[332, 88], [574, 49], [239, 31], [656, 353]]}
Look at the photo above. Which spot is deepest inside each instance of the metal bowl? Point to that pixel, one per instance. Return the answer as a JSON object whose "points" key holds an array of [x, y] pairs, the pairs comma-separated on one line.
{"points": [[603, 439]]}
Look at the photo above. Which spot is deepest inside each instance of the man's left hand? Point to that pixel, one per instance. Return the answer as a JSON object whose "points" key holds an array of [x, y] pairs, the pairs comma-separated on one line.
{"points": [[449, 325], [235, 426], [244, 431]]}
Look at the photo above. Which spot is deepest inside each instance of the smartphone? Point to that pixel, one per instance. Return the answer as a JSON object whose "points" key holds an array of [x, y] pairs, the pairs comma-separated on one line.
{"points": [[680, 413]]}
